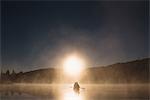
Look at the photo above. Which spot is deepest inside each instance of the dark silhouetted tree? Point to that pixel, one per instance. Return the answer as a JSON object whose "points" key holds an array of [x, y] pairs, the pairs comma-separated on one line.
{"points": [[7, 73], [13, 72]]}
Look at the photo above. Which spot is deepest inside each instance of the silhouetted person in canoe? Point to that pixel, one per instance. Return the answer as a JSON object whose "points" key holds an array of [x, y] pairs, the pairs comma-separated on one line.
{"points": [[76, 87]]}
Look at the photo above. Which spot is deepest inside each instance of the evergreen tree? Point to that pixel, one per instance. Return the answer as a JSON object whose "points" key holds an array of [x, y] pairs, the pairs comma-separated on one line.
{"points": [[7, 72]]}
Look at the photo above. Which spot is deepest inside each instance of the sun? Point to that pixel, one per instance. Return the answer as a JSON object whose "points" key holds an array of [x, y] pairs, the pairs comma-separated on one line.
{"points": [[73, 65]]}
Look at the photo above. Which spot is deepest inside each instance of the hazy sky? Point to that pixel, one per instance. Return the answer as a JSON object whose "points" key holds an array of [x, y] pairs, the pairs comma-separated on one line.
{"points": [[40, 34]]}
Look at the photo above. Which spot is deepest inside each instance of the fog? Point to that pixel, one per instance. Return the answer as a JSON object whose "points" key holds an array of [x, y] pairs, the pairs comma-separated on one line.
{"points": [[65, 92]]}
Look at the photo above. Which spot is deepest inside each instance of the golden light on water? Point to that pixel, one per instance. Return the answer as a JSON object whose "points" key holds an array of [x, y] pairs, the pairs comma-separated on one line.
{"points": [[71, 96], [73, 65]]}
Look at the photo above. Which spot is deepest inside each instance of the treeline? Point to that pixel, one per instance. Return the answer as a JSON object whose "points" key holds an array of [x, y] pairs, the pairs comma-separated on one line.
{"points": [[9, 77], [36, 76], [129, 72]]}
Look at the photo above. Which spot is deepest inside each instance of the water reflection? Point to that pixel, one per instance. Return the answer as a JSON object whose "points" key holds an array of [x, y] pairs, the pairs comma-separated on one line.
{"points": [[61, 92], [72, 96]]}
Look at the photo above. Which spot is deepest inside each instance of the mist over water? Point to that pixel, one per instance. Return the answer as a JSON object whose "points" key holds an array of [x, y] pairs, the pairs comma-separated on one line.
{"points": [[47, 44], [65, 92], [123, 81]]}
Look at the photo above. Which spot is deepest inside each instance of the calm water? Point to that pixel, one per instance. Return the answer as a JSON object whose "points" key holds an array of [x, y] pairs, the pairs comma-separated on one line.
{"points": [[65, 92]]}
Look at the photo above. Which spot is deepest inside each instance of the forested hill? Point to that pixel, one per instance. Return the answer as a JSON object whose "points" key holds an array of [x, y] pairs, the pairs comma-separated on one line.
{"points": [[128, 72]]}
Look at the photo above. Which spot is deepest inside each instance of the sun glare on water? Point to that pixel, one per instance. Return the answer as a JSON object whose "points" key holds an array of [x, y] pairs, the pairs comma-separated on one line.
{"points": [[72, 96], [73, 65]]}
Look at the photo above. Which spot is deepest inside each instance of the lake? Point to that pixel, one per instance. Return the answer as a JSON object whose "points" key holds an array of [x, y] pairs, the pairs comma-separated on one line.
{"points": [[65, 92]]}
